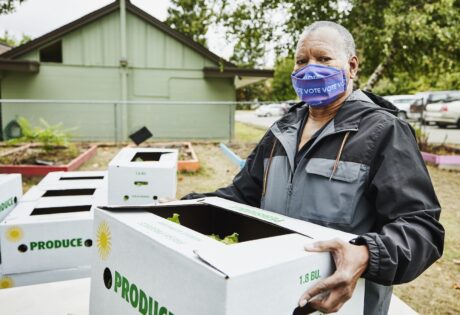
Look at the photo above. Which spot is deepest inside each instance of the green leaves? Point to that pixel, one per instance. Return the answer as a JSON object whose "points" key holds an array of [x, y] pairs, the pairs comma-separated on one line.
{"points": [[47, 135], [190, 17], [174, 218], [8, 6], [228, 240]]}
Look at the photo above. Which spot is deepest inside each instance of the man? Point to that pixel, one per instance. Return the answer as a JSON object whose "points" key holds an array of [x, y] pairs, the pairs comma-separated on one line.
{"points": [[342, 159]]}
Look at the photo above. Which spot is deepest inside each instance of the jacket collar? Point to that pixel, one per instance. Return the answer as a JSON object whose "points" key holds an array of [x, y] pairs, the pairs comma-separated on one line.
{"points": [[355, 106], [347, 118]]}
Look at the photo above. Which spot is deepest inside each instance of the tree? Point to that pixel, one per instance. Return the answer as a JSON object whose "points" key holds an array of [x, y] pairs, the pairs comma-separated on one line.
{"points": [[9, 6], [190, 17], [424, 41], [415, 37], [281, 87], [246, 27], [11, 41]]}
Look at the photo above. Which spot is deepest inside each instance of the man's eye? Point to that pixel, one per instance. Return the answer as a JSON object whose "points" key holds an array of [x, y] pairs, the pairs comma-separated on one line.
{"points": [[301, 61], [324, 59]]}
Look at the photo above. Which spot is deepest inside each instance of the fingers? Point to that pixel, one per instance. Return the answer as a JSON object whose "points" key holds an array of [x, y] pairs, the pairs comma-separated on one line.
{"points": [[333, 301], [337, 279], [325, 246]]}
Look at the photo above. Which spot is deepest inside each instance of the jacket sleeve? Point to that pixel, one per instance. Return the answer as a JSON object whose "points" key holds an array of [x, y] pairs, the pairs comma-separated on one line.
{"points": [[247, 185], [408, 237]]}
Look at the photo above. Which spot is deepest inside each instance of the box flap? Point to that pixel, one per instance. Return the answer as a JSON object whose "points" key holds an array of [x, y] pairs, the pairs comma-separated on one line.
{"points": [[145, 157], [48, 211], [247, 257]]}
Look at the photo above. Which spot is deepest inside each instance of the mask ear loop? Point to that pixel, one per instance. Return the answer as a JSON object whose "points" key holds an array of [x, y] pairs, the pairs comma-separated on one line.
{"points": [[264, 187], [339, 155]]}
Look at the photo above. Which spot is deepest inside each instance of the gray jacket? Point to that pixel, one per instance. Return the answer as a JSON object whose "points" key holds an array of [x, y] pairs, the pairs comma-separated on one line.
{"points": [[362, 173]]}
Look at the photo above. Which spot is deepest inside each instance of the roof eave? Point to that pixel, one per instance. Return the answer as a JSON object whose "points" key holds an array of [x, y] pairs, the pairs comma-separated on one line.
{"points": [[177, 35], [19, 65], [59, 32], [231, 72]]}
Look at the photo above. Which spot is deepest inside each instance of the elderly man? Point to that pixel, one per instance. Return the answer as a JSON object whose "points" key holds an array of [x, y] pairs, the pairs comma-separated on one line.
{"points": [[342, 159]]}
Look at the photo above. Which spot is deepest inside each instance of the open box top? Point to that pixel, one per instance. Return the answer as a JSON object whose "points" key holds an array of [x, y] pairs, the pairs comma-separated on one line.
{"points": [[75, 179], [56, 192], [53, 210], [266, 238], [143, 157]]}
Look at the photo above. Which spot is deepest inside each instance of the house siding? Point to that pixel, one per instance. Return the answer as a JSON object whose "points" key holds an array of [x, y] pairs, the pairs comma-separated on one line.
{"points": [[160, 68]]}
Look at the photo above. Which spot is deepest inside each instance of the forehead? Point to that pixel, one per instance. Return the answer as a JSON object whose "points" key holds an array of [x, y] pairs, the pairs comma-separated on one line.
{"points": [[324, 38]]}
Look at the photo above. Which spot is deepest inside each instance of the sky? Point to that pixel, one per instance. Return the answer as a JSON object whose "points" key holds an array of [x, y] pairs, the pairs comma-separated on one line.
{"points": [[38, 17]]}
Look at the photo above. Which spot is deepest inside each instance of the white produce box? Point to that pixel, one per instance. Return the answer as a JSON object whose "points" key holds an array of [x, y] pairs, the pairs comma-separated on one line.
{"points": [[10, 193], [50, 233], [144, 264], [139, 176]]}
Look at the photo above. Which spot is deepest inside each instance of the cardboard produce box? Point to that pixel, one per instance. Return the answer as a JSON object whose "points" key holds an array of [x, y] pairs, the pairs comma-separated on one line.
{"points": [[145, 264], [31, 278], [75, 179], [10, 193], [139, 176], [51, 233]]}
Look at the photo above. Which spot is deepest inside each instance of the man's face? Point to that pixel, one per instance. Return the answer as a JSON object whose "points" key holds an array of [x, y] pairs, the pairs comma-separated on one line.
{"points": [[324, 46]]}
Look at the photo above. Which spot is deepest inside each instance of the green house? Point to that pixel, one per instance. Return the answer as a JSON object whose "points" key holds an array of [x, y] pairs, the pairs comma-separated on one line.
{"points": [[117, 69]]}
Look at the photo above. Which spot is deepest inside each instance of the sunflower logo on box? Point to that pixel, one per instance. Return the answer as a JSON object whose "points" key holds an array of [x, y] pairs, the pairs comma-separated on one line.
{"points": [[14, 234], [104, 240], [6, 282]]}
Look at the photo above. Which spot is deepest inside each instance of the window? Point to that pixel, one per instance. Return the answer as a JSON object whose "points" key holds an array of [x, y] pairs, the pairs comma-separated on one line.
{"points": [[52, 53]]}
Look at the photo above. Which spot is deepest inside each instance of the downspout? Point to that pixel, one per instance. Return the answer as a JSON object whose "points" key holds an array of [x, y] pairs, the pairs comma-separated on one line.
{"points": [[123, 71]]}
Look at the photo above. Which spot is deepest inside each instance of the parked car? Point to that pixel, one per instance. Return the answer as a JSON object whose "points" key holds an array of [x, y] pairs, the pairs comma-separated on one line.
{"points": [[403, 103], [431, 97], [271, 110], [443, 114]]}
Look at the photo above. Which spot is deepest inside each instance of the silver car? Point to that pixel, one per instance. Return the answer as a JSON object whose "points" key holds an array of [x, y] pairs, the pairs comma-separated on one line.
{"points": [[403, 103], [444, 114]]}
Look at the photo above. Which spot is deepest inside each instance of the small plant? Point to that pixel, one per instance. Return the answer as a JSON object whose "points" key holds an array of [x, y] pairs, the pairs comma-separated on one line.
{"points": [[48, 136], [422, 138]]}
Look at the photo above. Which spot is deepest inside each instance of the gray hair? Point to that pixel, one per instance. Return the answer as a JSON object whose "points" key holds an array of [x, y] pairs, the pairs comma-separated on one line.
{"points": [[345, 35]]}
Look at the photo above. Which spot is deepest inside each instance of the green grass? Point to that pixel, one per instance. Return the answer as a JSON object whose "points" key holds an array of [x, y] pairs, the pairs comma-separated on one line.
{"points": [[437, 291], [248, 133]]}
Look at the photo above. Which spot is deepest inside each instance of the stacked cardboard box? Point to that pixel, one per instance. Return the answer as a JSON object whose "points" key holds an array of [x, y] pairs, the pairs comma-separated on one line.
{"points": [[142, 176], [144, 263], [48, 236], [10, 194]]}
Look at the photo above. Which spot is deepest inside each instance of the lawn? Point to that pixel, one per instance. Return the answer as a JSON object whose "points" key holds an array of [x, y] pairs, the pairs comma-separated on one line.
{"points": [[437, 291]]}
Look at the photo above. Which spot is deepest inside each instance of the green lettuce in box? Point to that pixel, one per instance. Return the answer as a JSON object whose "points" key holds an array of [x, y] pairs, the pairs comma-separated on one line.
{"points": [[229, 239]]}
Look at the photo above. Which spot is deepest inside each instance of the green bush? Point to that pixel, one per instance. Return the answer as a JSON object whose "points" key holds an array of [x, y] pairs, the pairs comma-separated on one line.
{"points": [[46, 135]]}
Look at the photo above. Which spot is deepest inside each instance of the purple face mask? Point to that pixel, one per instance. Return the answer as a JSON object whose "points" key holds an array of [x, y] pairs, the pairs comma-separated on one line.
{"points": [[318, 85]]}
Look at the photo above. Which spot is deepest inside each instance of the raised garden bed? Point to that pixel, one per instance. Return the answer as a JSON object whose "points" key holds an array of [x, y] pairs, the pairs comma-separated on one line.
{"points": [[32, 160], [443, 156], [188, 160]]}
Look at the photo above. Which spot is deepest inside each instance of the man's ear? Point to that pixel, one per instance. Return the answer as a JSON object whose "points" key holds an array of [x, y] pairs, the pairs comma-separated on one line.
{"points": [[353, 65]]}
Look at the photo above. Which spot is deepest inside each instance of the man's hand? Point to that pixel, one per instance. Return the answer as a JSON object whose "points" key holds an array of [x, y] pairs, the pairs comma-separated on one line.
{"points": [[331, 293]]}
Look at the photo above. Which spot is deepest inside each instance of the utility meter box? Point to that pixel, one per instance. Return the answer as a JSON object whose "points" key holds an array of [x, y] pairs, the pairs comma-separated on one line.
{"points": [[140, 176]]}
